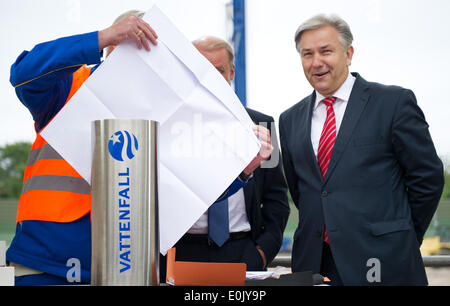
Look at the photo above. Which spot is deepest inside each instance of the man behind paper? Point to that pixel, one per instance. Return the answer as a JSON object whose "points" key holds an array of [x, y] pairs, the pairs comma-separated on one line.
{"points": [[53, 218], [253, 219]]}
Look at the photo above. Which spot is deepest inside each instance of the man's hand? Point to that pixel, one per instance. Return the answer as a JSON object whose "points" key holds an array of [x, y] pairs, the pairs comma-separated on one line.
{"points": [[264, 153], [263, 256], [130, 27]]}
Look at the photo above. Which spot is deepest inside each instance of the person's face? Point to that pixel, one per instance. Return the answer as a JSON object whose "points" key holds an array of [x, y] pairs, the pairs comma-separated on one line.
{"points": [[219, 59], [325, 62]]}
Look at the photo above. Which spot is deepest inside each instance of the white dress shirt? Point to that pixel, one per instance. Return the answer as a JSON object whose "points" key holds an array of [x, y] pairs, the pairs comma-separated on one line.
{"points": [[236, 213], [319, 114]]}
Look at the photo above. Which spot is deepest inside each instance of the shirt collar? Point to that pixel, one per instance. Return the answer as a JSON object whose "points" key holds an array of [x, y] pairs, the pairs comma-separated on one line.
{"points": [[342, 94]]}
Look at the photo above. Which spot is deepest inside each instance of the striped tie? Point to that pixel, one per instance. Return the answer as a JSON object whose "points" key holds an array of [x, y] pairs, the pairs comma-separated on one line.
{"points": [[326, 143]]}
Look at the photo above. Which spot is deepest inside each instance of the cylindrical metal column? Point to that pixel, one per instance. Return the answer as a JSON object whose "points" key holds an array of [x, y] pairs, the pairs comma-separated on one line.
{"points": [[125, 233]]}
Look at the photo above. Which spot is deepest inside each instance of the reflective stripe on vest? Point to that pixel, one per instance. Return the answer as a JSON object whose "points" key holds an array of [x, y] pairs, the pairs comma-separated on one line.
{"points": [[52, 189]]}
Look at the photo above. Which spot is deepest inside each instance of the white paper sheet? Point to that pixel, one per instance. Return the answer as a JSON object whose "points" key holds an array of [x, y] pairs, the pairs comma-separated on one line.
{"points": [[204, 138]]}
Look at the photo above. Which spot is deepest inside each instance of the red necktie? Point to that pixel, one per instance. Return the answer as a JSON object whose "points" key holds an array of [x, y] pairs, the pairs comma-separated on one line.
{"points": [[326, 143]]}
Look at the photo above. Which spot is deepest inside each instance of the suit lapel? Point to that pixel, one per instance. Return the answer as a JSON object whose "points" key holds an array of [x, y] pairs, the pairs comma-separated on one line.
{"points": [[308, 133], [248, 196], [251, 189], [356, 104]]}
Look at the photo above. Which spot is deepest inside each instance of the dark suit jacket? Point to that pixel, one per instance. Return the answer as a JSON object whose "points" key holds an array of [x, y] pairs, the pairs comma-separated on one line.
{"points": [[382, 188], [266, 196]]}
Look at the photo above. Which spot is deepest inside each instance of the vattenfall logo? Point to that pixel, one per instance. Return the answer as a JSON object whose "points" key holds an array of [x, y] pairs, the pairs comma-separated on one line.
{"points": [[122, 145]]}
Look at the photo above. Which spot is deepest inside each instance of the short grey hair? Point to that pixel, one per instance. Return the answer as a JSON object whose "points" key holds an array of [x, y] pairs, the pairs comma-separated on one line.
{"points": [[212, 43], [321, 20], [136, 13]]}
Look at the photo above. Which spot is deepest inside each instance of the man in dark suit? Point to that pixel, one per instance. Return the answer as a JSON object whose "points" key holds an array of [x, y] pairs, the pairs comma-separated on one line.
{"points": [[360, 165], [258, 212]]}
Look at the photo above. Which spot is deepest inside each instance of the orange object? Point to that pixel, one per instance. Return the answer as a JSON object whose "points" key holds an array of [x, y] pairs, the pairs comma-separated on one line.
{"points": [[52, 189], [186, 273]]}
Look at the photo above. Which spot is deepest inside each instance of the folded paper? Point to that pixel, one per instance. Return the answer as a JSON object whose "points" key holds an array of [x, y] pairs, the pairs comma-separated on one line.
{"points": [[204, 139]]}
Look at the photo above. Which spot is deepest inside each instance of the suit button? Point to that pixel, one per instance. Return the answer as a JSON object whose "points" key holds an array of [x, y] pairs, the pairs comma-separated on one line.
{"points": [[324, 194], [319, 233]]}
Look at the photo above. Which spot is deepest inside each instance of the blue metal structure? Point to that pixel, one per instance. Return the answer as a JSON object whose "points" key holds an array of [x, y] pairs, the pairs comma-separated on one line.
{"points": [[239, 49]]}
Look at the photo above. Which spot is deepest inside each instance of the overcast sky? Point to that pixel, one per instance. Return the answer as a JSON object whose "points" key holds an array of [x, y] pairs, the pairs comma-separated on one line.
{"points": [[399, 42]]}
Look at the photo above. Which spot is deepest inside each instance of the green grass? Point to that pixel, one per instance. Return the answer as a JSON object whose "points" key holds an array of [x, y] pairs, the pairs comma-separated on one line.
{"points": [[443, 213], [440, 225], [292, 223], [8, 211]]}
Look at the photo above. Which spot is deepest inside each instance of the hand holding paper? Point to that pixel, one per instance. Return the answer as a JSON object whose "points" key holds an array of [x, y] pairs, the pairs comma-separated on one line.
{"points": [[128, 27], [265, 151]]}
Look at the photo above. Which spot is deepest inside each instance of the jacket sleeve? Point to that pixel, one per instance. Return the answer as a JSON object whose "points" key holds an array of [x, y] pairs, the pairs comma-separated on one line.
{"points": [[423, 170], [42, 77], [275, 206]]}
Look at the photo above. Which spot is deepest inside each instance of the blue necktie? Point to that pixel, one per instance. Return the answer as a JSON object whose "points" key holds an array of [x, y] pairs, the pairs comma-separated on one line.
{"points": [[218, 222]]}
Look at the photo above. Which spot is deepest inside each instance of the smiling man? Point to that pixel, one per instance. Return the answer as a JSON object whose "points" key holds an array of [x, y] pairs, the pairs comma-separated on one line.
{"points": [[360, 165], [325, 59]]}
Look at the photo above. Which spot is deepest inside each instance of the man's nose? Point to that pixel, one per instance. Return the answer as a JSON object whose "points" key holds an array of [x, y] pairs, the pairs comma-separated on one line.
{"points": [[317, 61]]}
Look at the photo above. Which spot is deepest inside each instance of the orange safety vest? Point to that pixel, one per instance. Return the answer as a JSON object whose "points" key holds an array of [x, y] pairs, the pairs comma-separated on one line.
{"points": [[52, 189]]}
